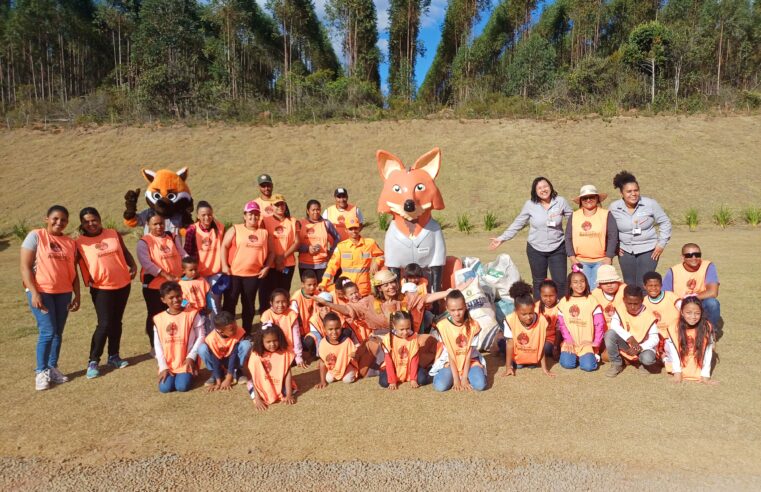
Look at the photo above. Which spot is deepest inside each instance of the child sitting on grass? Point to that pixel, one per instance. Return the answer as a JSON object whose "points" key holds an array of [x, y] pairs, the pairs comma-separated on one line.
{"points": [[401, 355], [302, 302], [269, 367], [336, 351], [224, 352], [281, 315], [526, 333], [690, 344]]}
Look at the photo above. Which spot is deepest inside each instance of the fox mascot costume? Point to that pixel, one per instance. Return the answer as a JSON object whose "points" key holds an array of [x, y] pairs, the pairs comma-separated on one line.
{"points": [[410, 195], [167, 194]]}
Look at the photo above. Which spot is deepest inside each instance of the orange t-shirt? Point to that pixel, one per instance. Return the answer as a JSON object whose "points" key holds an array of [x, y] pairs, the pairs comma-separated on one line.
{"points": [[551, 315], [337, 358], [578, 316], [174, 332], [402, 351], [458, 341], [269, 372], [164, 254], [209, 247], [528, 341], [54, 270], [285, 321], [194, 291], [283, 234], [248, 252], [224, 347], [311, 233], [102, 260]]}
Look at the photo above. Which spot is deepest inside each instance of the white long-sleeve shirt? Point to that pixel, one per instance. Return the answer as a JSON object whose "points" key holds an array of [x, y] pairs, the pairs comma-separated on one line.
{"points": [[649, 343], [676, 362], [195, 339]]}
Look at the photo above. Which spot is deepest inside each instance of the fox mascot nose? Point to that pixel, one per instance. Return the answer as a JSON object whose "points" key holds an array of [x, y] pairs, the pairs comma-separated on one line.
{"points": [[409, 206]]}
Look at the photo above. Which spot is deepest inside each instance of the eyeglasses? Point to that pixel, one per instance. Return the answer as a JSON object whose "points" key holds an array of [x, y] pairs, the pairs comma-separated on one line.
{"points": [[696, 254]]}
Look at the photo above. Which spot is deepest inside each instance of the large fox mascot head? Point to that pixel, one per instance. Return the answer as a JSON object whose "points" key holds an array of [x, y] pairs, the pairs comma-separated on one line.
{"points": [[410, 194], [167, 192]]}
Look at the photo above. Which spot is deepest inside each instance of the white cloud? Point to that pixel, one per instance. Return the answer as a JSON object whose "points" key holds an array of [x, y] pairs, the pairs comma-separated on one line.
{"points": [[381, 9], [435, 14]]}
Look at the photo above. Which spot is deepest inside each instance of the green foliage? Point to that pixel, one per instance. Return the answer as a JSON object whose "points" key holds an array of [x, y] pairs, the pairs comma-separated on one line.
{"points": [[404, 47], [355, 23], [648, 49], [691, 218], [384, 221], [464, 224], [723, 217], [752, 215], [110, 223], [490, 221], [20, 229], [533, 67]]}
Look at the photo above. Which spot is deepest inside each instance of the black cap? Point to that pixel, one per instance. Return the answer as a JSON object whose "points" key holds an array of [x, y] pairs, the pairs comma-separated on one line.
{"points": [[264, 178], [341, 191]]}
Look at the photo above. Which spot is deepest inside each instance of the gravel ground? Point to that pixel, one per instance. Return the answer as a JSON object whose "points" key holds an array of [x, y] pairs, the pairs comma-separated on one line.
{"points": [[170, 472]]}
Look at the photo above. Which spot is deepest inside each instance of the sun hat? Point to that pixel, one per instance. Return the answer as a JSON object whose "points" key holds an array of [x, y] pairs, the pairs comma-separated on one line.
{"points": [[607, 274], [264, 179], [383, 277], [588, 190], [251, 206]]}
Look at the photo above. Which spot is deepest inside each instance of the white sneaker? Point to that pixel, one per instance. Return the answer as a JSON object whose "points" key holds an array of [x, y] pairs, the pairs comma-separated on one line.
{"points": [[57, 376], [42, 381]]}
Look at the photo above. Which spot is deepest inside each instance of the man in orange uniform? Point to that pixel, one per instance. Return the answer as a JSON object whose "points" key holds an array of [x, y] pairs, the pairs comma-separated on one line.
{"points": [[340, 213], [265, 199], [357, 257], [696, 277]]}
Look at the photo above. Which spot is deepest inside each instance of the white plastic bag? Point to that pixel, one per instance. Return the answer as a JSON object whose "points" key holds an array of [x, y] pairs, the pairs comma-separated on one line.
{"points": [[481, 309], [500, 274]]}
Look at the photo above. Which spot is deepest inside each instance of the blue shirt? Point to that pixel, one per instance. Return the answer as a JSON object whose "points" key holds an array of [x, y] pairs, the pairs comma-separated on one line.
{"points": [[637, 231]]}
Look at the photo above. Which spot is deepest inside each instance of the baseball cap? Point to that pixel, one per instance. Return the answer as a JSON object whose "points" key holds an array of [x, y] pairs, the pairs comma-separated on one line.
{"points": [[277, 199], [341, 191], [264, 178], [352, 222], [251, 206]]}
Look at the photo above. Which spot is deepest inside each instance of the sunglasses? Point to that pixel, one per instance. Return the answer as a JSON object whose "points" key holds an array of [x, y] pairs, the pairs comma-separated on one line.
{"points": [[588, 197], [697, 254]]}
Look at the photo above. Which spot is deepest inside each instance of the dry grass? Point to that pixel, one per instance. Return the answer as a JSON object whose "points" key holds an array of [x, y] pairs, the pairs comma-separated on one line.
{"points": [[580, 418]]}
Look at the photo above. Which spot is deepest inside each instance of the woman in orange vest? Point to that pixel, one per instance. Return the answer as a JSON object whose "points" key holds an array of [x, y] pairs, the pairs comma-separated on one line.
{"points": [[591, 234], [107, 268], [526, 333], [318, 238], [203, 239], [338, 354], [401, 355], [160, 255], [582, 325], [178, 334], [281, 228], [246, 257], [270, 368], [690, 344], [49, 275]]}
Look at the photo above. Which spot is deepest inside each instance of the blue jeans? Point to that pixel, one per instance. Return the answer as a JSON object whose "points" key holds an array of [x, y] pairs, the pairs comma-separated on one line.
{"points": [[590, 271], [215, 365], [176, 382], [443, 380], [50, 326], [712, 309], [215, 304], [586, 362], [422, 377]]}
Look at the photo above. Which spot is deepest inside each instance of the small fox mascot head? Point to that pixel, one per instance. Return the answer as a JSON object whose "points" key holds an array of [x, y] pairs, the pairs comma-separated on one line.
{"points": [[410, 194], [167, 192]]}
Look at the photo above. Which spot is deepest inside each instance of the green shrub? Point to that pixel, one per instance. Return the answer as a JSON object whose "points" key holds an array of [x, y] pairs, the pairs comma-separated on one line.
{"points": [[20, 229], [691, 218], [723, 216], [490, 221], [464, 224], [384, 221], [752, 215]]}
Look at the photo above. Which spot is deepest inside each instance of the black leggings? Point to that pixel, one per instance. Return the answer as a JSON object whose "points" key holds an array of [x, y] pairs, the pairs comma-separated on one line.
{"points": [[154, 306], [275, 279], [109, 307], [245, 287], [557, 263]]}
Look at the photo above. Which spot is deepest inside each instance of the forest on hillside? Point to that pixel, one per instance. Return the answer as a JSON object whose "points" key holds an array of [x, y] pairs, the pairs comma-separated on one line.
{"points": [[234, 60]]}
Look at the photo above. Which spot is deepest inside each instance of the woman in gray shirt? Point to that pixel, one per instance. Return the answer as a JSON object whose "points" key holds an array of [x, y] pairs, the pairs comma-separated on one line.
{"points": [[640, 244], [545, 249]]}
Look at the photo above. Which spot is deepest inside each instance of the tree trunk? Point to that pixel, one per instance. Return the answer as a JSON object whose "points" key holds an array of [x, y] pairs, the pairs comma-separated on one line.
{"points": [[652, 80], [718, 69]]}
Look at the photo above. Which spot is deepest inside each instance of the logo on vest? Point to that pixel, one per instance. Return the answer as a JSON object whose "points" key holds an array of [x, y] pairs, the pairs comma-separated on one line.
{"points": [[206, 243], [522, 339], [55, 247], [269, 209], [341, 219], [267, 365], [330, 361], [171, 329], [310, 231], [165, 249], [403, 353], [461, 341], [279, 230], [101, 246], [574, 310], [691, 284], [610, 309], [657, 316], [690, 344], [252, 239], [586, 226]]}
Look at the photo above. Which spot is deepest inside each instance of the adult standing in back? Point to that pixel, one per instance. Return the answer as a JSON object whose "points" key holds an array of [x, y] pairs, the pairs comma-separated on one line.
{"points": [[639, 243], [203, 240], [265, 200], [591, 235], [317, 240], [340, 213], [545, 249], [284, 240]]}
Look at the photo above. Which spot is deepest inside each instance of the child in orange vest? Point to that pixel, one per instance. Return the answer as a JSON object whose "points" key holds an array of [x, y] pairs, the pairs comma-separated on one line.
{"points": [[337, 354], [302, 302], [317, 328], [224, 352], [177, 336], [690, 344], [582, 325], [270, 368], [525, 332], [401, 355], [195, 289], [281, 315], [547, 306], [633, 334]]}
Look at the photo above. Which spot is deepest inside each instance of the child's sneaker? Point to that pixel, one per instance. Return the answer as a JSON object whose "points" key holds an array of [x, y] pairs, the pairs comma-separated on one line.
{"points": [[42, 380], [57, 376], [92, 370], [117, 362]]}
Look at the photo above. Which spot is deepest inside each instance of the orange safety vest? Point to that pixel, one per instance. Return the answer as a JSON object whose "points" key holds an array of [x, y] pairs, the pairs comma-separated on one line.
{"points": [[665, 311], [551, 315], [249, 251], [102, 259], [306, 308], [269, 372], [174, 332], [354, 260], [224, 347], [609, 306], [266, 207], [402, 351], [691, 362], [283, 234], [164, 254], [458, 341], [638, 326], [578, 316], [194, 291], [338, 358], [316, 321], [528, 341], [339, 219], [285, 321], [54, 268], [689, 283], [311, 233], [589, 233], [209, 247]]}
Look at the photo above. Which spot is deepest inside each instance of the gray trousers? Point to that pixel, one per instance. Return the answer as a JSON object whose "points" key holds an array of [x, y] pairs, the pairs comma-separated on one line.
{"points": [[614, 344], [634, 267]]}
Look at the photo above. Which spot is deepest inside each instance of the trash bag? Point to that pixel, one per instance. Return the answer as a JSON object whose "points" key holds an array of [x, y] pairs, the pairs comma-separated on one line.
{"points": [[500, 274], [471, 269], [481, 308]]}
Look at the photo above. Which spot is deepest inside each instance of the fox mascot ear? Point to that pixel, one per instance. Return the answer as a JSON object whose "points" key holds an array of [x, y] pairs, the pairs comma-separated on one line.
{"points": [[151, 175], [388, 163], [429, 162], [183, 173]]}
